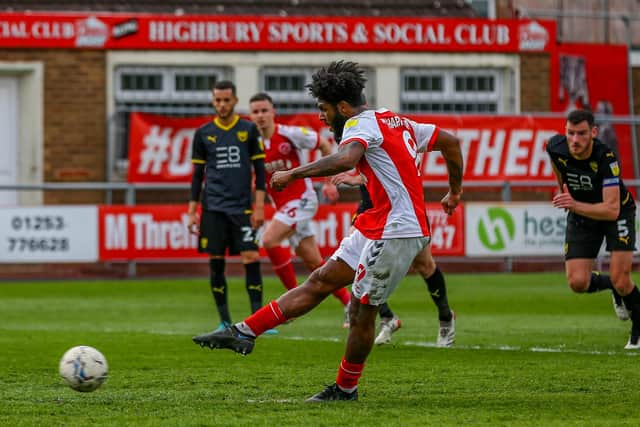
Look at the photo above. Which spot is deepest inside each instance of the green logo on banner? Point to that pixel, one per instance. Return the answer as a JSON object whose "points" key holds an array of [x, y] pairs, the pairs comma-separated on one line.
{"points": [[495, 229]]}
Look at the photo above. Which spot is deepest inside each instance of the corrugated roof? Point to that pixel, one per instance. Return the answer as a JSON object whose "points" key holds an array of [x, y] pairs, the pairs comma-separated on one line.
{"points": [[453, 8]]}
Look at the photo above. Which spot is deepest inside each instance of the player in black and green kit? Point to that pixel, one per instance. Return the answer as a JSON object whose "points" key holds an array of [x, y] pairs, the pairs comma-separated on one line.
{"points": [[223, 153], [599, 207]]}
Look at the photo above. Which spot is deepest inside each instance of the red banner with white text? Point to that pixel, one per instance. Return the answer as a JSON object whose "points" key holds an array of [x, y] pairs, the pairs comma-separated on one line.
{"points": [[154, 232], [293, 33], [495, 148], [595, 77]]}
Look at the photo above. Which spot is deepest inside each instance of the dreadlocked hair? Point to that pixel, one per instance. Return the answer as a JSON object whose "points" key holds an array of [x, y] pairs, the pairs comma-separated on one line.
{"points": [[340, 81]]}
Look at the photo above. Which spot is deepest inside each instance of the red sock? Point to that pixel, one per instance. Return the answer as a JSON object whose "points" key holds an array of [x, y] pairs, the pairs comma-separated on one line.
{"points": [[267, 317], [348, 375], [281, 259], [342, 294]]}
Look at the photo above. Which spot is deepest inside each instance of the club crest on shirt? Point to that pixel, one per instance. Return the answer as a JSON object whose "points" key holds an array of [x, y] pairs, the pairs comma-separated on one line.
{"points": [[242, 135], [615, 169], [350, 123], [284, 148], [594, 166]]}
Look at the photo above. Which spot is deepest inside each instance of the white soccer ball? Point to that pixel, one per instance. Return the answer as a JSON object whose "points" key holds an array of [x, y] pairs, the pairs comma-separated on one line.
{"points": [[83, 368]]}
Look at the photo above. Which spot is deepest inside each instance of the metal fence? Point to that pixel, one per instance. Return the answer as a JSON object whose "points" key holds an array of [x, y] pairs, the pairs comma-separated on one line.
{"points": [[131, 190]]}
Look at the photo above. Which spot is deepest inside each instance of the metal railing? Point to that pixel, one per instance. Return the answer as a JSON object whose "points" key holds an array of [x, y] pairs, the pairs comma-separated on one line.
{"points": [[131, 189]]}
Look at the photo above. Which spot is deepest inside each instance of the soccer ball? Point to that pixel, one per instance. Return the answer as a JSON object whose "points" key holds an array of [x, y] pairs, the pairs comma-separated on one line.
{"points": [[83, 368]]}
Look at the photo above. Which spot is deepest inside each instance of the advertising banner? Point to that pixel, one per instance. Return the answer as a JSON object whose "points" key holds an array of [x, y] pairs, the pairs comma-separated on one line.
{"points": [[447, 231], [148, 232], [160, 147], [49, 234], [514, 229], [578, 71], [295, 33], [510, 148]]}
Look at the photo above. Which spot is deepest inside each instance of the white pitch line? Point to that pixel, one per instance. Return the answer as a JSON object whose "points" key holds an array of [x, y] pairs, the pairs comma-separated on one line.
{"points": [[271, 401], [340, 339], [479, 347]]}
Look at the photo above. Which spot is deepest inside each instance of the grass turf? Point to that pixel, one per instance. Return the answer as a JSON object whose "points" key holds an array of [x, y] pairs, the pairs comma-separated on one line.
{"points": [[528, 352]]}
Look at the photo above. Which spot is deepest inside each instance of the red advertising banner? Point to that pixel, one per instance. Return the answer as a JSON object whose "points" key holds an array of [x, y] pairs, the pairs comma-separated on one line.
{"points": [[495, 148], [447, 231], [594, 76], [155, 232], [160, 147], [225, 32]]}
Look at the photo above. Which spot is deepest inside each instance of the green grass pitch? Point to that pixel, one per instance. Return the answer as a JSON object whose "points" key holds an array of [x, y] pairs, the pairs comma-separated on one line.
{"points": [[528, 352]]}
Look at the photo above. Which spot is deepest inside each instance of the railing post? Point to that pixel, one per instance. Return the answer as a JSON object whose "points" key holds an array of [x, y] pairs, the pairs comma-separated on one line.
{"points": [[506, 197], [506, 191], [130, 200]]}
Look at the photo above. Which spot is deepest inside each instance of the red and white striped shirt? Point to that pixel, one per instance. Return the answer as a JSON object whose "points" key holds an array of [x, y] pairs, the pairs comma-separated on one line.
{"points": [[282, 153], [391, 164]]}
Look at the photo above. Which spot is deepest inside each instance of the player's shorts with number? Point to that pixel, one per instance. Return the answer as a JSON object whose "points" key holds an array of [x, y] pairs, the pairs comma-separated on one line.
{"points": [[298, 214], [219, 231], [584, 236], [379, 265]]}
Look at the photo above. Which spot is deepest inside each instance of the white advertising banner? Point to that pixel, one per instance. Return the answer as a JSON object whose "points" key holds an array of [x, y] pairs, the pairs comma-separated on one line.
{"points": [[514, 229], [49, 234]]}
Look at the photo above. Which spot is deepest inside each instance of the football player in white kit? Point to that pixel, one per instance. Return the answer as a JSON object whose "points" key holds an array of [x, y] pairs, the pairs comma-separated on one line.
{"points": [[297, 204], [385, 148]]}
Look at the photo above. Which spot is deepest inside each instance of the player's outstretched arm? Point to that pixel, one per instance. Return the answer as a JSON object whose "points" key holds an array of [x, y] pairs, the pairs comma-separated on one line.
{"points": [[329, 189], [348, 179], [345, 159], [449, 146]]}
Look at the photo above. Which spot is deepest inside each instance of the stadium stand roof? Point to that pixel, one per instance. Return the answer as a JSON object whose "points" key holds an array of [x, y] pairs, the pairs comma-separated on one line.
{"points": [[449, 8]]}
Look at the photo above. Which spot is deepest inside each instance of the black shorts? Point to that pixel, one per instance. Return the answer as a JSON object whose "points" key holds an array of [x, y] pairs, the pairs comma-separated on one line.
{"points": [[219, 231], [584, 235]]}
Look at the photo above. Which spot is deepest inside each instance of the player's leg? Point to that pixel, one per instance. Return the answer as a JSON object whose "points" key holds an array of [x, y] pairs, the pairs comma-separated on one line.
{"points": [[579, 275], [280, 256], [304, 243], [336, 273], [389, 323], [583, 239], [218, 284], [425, 265], [391, 259], [214, 239], [308, 251], [359, 344], [244, 242], [294, 303], [620, 267], [621, 243]]}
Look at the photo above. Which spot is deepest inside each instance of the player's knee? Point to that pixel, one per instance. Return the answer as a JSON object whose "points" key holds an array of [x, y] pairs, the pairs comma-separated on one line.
{"points": [[578, 282], [269, 242], [249, 257], [311, 264], [622, 283], [426, 268], [216, 266], [321, 282]]}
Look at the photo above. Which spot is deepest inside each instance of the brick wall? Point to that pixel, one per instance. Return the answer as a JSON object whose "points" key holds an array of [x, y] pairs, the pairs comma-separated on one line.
{"points": [[535, 74], [75, 130]]}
